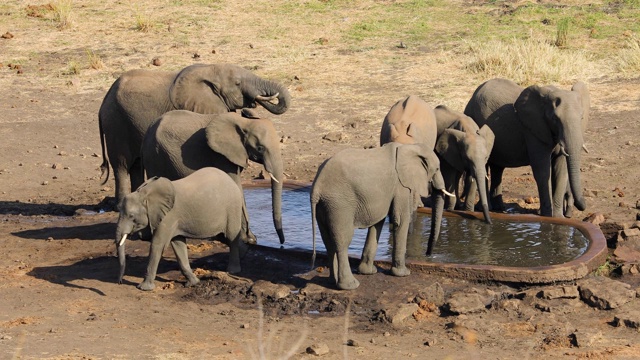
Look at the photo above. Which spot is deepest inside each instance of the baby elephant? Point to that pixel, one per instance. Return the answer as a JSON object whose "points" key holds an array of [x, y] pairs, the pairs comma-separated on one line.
{"points": [[205, 204], [358, 188]]}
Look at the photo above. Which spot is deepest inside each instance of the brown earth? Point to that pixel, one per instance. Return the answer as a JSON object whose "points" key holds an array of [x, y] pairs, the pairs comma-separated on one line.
{"points": [[59, 298]]}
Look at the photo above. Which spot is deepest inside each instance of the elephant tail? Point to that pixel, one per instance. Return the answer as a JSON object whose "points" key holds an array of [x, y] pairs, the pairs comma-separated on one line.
{"points": [[314, 202], [104, 167]]}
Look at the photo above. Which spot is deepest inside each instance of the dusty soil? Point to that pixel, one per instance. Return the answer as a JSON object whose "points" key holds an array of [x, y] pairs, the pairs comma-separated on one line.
{"points": [[58, 290]]}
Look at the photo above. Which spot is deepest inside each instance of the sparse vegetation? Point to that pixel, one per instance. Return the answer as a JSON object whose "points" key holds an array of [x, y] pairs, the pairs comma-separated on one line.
{"points": [[95, 61], [62, 14], [562, 34], [629, 59], [143, 22]]}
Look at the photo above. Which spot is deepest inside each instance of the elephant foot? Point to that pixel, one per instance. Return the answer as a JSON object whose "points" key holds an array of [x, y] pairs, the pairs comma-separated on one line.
{"points": [[243, 248], [400, 271], [497, 204], [249, 238], [568, 212], [146, 285], [349, 284], [367, 269], [233, 269], [192, 282]]}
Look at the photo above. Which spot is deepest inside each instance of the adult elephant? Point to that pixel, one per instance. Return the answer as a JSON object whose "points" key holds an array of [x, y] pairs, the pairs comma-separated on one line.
{"points": [[464, 148], [529, 125], [181, 142], [138, 97]]}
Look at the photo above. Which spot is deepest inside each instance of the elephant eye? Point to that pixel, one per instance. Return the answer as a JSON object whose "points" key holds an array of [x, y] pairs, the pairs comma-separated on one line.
{"points": [[261, 149]]}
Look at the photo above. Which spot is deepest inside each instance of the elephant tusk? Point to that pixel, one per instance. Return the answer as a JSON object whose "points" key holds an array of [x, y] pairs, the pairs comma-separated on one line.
{"points": [[124, 237], [267, 98], [563, 152], [448, 193], [584, 147], [274, 178]]}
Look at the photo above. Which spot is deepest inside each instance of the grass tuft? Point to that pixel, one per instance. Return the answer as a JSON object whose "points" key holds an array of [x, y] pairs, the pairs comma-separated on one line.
{"points": [[629, 58], [562, 34], [95, 61], [62, 14], [527, 61], [143, 23]]}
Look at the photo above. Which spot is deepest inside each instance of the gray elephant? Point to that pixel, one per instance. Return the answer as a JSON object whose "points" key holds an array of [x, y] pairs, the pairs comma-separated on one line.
{"points": [[181, 142], [359, 188], [206, 204], [530, 125], [463, 148], [454, 136], [138, 97]]}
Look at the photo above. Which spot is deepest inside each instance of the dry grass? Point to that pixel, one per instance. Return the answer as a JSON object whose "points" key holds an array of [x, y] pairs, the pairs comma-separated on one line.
{"points": [[629, 58], [63, 14], [95, 61], [530, 61]]}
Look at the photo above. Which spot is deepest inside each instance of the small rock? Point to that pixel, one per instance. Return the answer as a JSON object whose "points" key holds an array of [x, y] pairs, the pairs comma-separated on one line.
{"points": [[630, 319], [92, 317], [433, 294], [7, 35], [245, 326], [586, 338], [268, 289], [196, 55], [631, 232], [564, 292], [596, 219], [45, 182], [430, 342], [333, 136], [62, 153], [56, 166], [398, 315], [605, 293], [465, 303], [5, 337], [531, 200], [318, 349], [625, 254], [156, 61], [353, 343]]}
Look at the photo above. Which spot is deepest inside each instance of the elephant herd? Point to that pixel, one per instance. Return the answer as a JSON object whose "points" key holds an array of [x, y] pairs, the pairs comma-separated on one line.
{"points": [[181, 131]]}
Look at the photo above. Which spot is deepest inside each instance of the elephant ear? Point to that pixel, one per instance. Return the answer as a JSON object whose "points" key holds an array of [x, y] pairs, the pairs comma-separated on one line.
{"points": [[197, 88], [585, 99], [535, 112], [411, 166], [487, 134], [450, 148], [158, 196], [225, 135]]}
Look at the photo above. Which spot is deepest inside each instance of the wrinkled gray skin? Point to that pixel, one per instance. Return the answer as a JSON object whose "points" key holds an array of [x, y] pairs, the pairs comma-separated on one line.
{"points": [[410, 121], [463, 148], [181, 142], [359, 188], [206, 204], [529, 126], [139, 97]]}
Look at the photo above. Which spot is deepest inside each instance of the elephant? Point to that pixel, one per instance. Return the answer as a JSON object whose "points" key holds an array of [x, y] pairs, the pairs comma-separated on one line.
{"points": [[410, 121], [359, 188], [454, 136], [181, 142], [205, 204], [530, 125], [138, 97], [463, 147]]}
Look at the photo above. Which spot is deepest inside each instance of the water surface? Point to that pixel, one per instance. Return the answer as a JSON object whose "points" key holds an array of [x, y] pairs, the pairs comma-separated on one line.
{"points": [[462, 241]]}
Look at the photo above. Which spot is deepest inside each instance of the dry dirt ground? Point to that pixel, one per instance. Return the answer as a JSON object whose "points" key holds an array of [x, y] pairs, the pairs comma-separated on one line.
{"points": [[59, 298]]}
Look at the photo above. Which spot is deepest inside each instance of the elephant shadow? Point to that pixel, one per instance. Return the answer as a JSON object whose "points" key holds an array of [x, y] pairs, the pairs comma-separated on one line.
{"points": [[31, 209], [99, 231]]}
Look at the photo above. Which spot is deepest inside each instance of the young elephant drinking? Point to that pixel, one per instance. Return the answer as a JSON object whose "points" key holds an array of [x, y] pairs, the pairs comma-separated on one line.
{"points": [[205, 204], [358, 188]]}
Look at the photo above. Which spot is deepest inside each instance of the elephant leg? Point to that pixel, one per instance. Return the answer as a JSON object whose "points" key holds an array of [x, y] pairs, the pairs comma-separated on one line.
{"points": [[123, 184], [400, 222], [469, 192], [560, 184], [235, 248], [179, 246], [541, 167], [450, 177], [370, 248], [337, 235], [136, 174], [495, 190], [158, 244]]}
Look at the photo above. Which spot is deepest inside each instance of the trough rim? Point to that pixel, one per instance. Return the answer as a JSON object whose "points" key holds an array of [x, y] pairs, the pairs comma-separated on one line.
{"points": [[595, 255]]}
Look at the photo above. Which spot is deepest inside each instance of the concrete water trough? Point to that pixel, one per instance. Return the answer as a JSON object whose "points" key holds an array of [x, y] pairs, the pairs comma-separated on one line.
{"points": [[526, 249]]}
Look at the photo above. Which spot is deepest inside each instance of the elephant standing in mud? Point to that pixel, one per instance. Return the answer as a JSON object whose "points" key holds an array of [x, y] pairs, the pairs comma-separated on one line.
{"points": [[181, 142], [540, 126], [138, 97], [206, 204], [359, 188]]}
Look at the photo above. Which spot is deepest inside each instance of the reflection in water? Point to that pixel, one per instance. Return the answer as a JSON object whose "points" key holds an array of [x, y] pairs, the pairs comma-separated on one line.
{"points": [[462, 241]]}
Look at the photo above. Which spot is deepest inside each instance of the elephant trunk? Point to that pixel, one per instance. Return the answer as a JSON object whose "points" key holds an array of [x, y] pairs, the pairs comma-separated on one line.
{"points": [[437, 196], [270, 90], [120, 240], [274, 167], [481, 180], [573, 169]]}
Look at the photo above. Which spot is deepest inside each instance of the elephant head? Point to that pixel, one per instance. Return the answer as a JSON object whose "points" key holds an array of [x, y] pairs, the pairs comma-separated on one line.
{"points": [[208, 88], [412, 162], [469, 152], [240, 139], [555, 117], [144, 207]]}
